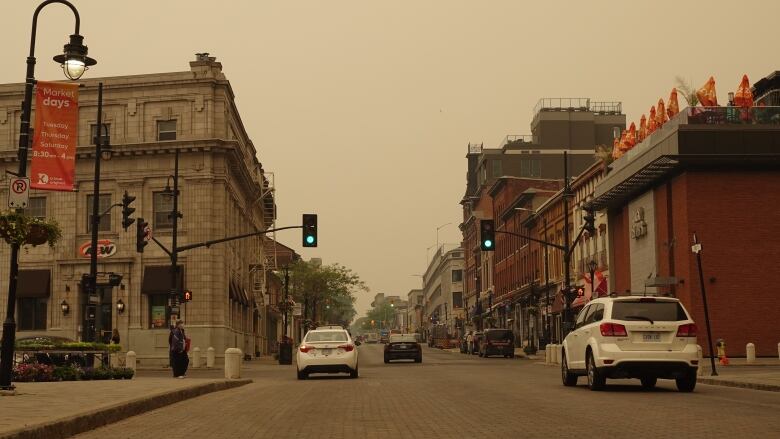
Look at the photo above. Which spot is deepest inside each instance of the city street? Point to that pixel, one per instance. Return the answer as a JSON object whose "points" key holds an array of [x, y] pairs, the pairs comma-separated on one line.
{"points": [[452, 395]]}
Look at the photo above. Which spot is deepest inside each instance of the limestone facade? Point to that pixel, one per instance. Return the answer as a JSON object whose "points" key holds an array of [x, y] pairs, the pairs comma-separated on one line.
{"points": [[223, 192]]}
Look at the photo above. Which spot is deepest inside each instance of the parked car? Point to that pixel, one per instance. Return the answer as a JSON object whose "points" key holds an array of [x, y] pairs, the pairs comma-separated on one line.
{"points": [[403, 347], [632, 337], [372, 337], [497, 341], [327, 351]]}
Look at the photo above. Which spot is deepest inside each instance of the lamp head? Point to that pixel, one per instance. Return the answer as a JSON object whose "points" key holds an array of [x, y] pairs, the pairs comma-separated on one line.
{"points": [[74, 59]]}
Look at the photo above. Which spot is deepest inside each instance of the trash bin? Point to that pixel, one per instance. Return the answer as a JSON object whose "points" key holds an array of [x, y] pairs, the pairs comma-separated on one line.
{"points": [[285, 352]]}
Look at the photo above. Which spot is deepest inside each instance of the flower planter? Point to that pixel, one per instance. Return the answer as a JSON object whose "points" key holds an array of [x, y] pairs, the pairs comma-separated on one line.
{"points": [[17, 228], [37, 235]]}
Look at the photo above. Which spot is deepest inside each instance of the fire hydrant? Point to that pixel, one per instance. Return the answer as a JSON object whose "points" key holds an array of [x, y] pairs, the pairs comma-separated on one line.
{"points": [[722, 358]]}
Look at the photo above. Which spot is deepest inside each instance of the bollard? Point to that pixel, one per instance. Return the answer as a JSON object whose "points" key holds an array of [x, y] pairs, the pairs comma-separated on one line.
{"points": [[130, 360], [778, 351], [700, 356], [196, 357], [210, 357], [547, 353], [750, 352], [232, 363]]}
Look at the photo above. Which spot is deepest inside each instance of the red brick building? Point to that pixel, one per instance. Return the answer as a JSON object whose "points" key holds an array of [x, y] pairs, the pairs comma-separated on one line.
{"points": [[712, 172]]}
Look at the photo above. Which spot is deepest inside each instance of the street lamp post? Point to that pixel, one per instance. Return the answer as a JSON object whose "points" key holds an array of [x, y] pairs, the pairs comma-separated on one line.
{"points": [[437, 233], [173, 293], [592, 265], [74, 61]]}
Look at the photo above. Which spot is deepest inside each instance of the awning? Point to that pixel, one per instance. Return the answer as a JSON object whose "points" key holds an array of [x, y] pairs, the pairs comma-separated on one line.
{"points": [[33, 283], [157, 279]]}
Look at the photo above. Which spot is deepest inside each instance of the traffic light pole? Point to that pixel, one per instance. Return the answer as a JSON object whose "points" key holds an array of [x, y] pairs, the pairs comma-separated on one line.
{"points": [[91, 287], [174, 289]]}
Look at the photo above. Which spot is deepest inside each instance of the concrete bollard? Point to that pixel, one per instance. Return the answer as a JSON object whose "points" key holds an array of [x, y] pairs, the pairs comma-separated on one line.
{"points": [[210, 357], [750, 352], [700, 356], [232, 363], [195, 357], [778, 351], [130, 360], [547, 353]]}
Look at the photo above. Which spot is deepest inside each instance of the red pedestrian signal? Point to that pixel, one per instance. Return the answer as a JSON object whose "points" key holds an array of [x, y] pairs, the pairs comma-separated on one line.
{"points": [[187, 296]]}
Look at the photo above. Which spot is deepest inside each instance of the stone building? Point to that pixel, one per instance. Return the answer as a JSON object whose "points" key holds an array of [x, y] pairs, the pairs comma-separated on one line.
{"points": [[443, 288], [224, 191]]}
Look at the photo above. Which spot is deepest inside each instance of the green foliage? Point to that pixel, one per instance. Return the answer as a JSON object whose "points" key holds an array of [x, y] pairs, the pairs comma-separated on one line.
{"points": [[687, 90], [18, 228], [33, 345], [67, 373], [379, 314], [331, 287]]}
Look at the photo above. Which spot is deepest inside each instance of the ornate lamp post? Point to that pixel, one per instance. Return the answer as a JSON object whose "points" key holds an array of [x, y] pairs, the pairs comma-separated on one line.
{"points": [[74, 61]]}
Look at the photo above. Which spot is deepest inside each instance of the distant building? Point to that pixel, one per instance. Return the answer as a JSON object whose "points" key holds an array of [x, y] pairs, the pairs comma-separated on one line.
{"points": [[443, 289], [414, 311]]}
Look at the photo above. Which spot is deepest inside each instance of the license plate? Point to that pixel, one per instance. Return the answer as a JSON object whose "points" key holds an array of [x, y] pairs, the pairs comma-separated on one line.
{"points": [[326, 351], [651, 337], [402, 346]]}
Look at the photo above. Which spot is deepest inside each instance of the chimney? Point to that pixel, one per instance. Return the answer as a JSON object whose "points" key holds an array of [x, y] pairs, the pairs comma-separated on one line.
{"points": [[206, 66]]}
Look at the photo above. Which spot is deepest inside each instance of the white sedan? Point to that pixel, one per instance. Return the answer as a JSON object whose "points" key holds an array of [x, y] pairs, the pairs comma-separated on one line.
{"points": [[327, 351]]}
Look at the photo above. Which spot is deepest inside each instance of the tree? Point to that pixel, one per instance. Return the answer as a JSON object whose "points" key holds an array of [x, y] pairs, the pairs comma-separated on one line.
{"points": [[326, 292], [382, 315]]}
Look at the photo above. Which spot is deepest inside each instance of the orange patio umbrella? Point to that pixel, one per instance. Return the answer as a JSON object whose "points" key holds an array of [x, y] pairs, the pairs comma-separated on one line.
{"points": [[630, 137], [660, 114], [707, 95], [642, 128], [616, 152], [743, 97], [651, 122], [674, 107]]}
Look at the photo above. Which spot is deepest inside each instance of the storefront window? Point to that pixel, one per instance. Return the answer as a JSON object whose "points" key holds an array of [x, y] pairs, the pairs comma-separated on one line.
{"points": [[32, 313], [158, 311]]}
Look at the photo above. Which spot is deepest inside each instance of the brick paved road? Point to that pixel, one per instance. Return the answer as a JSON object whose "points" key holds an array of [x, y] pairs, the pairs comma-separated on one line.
{"points": [[451, 395]]}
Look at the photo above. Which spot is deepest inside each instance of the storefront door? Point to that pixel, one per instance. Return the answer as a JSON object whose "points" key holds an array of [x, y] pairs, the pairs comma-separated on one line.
{"points": [[98, 316]]}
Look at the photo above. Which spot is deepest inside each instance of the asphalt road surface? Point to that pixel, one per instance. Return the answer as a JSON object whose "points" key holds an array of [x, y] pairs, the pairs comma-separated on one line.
{"points": [[452, 395]]}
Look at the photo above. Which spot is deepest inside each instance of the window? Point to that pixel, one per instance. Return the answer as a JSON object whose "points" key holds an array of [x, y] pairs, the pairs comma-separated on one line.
{"points": [[36, 207], [664, 311], [163, 206], [457, 299], [457, 275], [166, 130], [32, 313], [326, 336], [581, 317], [104, 203], [531, 168], [496, 168], [106, 140], [158, 311]]}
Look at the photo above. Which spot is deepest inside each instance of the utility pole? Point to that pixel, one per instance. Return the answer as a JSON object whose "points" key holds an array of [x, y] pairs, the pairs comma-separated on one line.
{"points": [[566, 253], [175, 215], [696, 248], [547, 310]]}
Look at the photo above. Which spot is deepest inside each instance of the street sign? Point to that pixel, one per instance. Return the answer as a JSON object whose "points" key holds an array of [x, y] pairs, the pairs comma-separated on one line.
{"points": [[19, 193]]}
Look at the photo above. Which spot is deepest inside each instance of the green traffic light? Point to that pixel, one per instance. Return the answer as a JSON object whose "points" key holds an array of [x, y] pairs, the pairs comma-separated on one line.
{"points": [[310, 239], [488, 243]]}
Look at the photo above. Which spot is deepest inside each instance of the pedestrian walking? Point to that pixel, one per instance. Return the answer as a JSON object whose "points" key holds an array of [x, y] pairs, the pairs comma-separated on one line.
{"points": [[470, 342], [115, 336], [178, 350]]}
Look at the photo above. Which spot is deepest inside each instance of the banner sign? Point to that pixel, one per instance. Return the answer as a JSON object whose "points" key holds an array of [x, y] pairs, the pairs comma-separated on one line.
{"points": [[55, 136]]}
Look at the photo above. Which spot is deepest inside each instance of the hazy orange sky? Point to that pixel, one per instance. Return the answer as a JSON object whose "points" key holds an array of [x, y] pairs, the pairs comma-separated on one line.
{"points": [[364, 108]]}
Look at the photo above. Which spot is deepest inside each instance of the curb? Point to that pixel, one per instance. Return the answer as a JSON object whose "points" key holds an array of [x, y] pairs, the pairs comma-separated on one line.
{"points": [[739, 384], [85, 421]]}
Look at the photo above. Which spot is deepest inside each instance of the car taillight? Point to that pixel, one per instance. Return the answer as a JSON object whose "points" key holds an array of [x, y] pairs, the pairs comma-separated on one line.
{"points": [[613, 330], [347, 347], [304, 348], [687, 330]]}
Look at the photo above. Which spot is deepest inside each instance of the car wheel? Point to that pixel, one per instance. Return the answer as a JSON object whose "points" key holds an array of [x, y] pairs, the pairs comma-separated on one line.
{"points": [[512, 355], [649, 382], [480, 354], [569, 379], [418, 359], [354, 373], [686, 383], [596, 381], [387, 360], [302, 375]]}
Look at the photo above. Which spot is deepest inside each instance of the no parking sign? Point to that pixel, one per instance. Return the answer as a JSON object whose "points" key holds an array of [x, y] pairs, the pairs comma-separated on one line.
{"points": [[19, 193]]}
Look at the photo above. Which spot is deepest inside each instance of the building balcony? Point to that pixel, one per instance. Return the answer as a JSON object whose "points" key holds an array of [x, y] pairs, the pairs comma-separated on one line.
{"points": [[698, 136]]}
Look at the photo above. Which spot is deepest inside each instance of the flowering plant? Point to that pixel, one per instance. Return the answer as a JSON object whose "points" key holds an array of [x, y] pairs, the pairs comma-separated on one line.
{"points": [[17, 228], [32, 372]]}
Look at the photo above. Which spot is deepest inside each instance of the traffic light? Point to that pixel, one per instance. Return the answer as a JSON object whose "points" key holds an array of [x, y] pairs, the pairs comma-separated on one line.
{"points": [[487, 236], [309, 230], [186, 296], [589, 222], [127, 210], [140, 235]]}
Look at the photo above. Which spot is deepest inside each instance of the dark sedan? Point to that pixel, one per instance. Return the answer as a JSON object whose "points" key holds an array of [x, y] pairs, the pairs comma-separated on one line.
{"points": [[403, 347]]}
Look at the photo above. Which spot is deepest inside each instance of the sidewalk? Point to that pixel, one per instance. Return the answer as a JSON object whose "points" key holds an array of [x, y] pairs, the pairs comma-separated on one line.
{"points": [[62, 409], [764, 374]]}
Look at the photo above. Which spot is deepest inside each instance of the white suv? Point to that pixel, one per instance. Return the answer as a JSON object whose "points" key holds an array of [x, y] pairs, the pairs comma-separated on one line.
{"points": [[327, 350], [632, 337]]}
